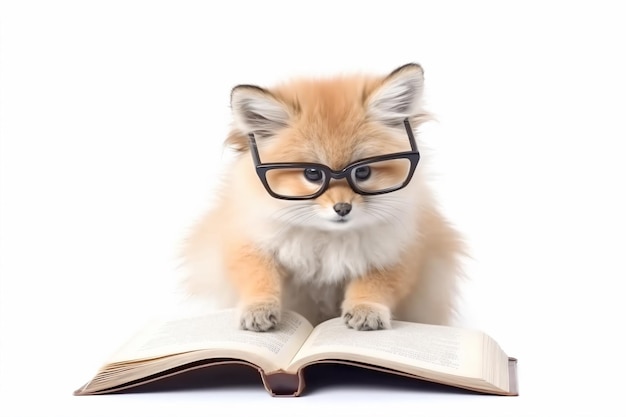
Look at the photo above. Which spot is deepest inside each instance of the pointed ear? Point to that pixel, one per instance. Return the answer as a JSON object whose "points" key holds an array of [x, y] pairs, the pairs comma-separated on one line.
{"points": [[398, 97], [257, 110]]}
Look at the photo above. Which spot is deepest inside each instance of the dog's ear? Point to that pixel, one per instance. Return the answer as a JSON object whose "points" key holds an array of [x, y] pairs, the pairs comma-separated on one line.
{"points": [[398, 97], [256, 110]]}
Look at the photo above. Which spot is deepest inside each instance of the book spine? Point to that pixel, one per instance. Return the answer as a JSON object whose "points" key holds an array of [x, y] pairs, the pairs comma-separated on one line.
{"points": [[282, 384]]}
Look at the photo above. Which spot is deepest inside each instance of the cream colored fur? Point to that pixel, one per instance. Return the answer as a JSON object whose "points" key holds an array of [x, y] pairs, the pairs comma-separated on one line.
{"points": [[396, 256]]}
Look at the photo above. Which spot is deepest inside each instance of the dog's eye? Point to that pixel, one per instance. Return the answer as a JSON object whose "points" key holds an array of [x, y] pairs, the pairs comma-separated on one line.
{"points": [[313, 175], [362, 173]]}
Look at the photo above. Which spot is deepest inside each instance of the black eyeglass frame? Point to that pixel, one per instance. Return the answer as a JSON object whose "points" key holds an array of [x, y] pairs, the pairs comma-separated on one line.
{"points": [[261, 169]]}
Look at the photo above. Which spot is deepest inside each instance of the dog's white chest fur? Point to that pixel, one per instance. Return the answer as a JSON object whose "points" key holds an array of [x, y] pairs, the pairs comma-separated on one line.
{"points": [[321, 258]]}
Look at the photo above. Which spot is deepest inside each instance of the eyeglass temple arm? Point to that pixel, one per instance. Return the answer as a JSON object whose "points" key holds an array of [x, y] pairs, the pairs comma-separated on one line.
{"points": [[409, 132], [255, 149]]}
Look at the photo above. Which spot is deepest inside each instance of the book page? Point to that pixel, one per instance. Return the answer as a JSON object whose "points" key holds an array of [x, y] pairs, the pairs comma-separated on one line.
{"points": [[218, 331], [406, 347]]}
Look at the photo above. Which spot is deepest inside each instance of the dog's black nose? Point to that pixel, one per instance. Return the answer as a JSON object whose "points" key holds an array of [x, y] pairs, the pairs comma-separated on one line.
{"points": [[342, 209]]}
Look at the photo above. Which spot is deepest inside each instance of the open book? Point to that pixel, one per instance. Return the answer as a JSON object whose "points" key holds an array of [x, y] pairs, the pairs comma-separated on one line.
{"points": [[452, 356]]}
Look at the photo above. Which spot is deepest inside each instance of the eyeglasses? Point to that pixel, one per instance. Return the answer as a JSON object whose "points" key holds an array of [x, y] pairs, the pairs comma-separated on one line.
{"points": [[370, 176]]}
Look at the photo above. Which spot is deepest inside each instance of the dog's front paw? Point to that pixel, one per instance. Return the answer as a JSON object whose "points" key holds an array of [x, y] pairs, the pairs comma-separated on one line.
{"points": [[367, 316], [260, 317]]}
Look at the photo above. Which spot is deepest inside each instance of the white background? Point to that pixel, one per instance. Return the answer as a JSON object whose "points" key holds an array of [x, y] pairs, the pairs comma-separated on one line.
{"points": [[112, 121]]}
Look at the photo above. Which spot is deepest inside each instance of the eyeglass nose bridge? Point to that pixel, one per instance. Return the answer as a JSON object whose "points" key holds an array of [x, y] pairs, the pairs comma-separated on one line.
{"points": [[344, 174], [339, 175]]}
